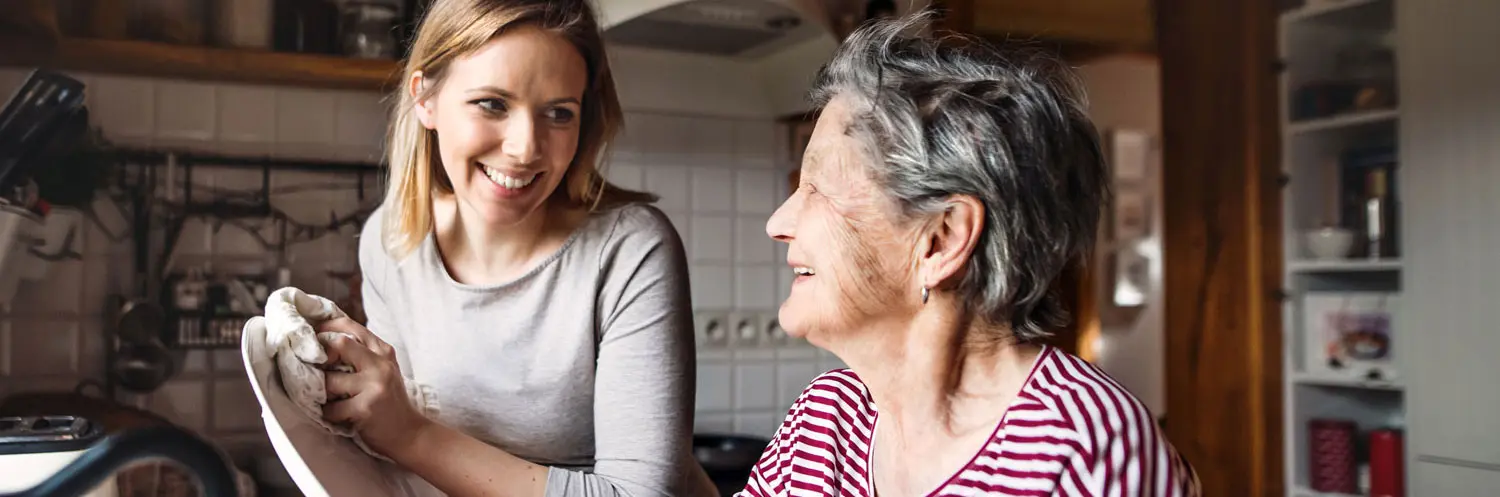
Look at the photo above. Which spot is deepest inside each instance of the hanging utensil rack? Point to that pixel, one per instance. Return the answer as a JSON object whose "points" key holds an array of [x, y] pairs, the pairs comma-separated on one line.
{"points": [[207, 327]]}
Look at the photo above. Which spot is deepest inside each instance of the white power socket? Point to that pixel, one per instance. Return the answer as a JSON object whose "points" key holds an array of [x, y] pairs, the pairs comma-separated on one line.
{"points": [[747, 331], [711, 329], [771, 330]]}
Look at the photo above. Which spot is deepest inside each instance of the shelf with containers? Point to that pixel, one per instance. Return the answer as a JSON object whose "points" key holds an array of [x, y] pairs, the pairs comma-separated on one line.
{"points": [[1342, 246]]}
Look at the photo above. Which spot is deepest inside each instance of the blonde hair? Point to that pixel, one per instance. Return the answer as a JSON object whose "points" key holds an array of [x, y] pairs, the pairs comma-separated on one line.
{"points": [[453, 28]]}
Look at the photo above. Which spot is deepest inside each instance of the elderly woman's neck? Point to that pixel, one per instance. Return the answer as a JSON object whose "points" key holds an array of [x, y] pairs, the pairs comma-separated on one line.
{"points": [[958, 374]]}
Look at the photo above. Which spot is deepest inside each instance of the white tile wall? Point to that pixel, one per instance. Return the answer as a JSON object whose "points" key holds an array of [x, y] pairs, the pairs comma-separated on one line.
{"points": [[718, 180]]}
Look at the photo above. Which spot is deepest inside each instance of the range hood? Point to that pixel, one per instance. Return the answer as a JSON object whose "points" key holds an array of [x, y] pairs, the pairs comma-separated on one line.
{"points": [[745, 29]]}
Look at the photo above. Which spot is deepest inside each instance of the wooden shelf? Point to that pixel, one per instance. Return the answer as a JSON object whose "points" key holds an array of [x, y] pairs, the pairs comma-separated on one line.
{"points": [[1327, 380], [1344, 266], [1349, 120], [1360, 14], [1302, 491], [150, 59]]}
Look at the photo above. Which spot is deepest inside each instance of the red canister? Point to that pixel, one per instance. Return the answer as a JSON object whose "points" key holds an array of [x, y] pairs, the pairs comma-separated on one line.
{"points": [[1331, 456], [1387, 464]]}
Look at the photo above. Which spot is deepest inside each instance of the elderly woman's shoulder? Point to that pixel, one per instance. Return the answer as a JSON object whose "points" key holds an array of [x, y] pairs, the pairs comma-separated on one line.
{"points": [[841, 386], [1068, 385]]}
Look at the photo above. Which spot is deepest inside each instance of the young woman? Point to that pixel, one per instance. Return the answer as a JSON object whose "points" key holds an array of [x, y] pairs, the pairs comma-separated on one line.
{"points": [[546, 310]]}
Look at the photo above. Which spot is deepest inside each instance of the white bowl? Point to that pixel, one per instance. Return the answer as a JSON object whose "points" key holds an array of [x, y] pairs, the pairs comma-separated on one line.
{"points": [[1329, 243]]}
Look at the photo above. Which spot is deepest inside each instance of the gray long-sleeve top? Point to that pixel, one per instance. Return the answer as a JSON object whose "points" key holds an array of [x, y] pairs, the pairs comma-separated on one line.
{"points": [[584, 364]]}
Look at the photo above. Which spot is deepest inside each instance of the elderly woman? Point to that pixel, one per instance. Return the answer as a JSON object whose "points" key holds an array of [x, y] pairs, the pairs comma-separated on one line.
{"points": [[943, 192]]}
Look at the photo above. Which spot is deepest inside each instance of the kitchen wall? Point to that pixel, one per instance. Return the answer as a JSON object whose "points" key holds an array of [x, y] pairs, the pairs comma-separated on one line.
{"points": [[715, 162], [1124, 92]]}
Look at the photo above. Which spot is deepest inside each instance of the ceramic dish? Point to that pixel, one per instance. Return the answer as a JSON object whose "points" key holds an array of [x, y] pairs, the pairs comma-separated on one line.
{"points": [[320, 463]]}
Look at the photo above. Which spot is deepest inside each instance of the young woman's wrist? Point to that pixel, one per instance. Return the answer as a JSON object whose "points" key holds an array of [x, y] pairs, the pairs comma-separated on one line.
{"points": [[413, 445]]}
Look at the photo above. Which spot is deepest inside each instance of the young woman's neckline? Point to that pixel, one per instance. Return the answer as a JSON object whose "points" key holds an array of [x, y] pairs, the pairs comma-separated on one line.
{"points": [[1036, 363], [430, 245]]}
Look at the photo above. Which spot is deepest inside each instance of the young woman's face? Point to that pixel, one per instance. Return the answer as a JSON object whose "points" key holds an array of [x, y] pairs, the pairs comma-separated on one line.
{"points": [[507, 119]]}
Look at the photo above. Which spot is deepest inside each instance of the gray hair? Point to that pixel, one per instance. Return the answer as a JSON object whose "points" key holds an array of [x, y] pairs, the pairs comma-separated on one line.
{"points": [[1006, 127]]}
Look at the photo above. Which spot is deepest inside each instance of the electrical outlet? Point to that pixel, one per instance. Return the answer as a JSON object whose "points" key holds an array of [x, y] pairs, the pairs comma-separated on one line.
{"points": [[771, 331], [771, 327], [746, 331], [711, 329]]}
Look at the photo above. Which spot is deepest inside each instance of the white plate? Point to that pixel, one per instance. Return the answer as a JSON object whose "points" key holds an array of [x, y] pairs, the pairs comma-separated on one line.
{"points": [[321, 463]]}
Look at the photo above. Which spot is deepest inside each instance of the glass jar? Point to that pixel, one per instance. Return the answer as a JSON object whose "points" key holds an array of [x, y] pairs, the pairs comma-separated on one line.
{"points": [[367, 30]]}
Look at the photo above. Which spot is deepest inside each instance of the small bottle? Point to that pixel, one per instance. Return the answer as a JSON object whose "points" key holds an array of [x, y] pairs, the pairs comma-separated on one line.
{"points": [[1377, 216]]}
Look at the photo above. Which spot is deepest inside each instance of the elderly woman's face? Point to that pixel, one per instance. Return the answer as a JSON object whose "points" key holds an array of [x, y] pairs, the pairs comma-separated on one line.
{"points": [[851, 255]]}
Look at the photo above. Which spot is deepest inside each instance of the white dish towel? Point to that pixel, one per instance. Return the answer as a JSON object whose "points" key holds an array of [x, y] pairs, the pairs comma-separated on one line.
{"points": [[287, 333]]}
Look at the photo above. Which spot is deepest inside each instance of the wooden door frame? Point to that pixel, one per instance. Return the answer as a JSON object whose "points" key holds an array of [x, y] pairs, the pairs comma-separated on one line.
{"points": [[1221, 238], [1222, 241]]}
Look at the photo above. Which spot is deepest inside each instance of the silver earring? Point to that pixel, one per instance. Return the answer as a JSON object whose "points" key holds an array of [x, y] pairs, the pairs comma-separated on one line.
{"points": [[925, 293]]}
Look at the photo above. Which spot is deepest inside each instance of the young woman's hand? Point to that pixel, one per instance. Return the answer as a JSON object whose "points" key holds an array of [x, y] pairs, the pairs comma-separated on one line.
{"points": [[372, 399]]}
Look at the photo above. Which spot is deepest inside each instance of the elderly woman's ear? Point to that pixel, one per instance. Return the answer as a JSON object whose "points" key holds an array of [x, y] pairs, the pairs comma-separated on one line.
{"points": [[949, 241]]}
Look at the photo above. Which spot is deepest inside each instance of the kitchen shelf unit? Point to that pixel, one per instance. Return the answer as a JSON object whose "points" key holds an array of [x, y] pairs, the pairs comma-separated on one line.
{"points": [[1309, 38], [206, 63]]}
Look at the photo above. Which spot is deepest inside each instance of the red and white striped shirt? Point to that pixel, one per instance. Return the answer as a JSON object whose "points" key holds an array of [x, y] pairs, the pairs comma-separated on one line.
{"points": [[1072, 431]]}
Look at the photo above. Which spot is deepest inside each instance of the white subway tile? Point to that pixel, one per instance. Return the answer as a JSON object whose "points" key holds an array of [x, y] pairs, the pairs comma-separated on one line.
{"points": [[246, 148], [715, 387], [195, 361], [184, 402], [671, 183], [830, 363], [305, 123], [247, 114], [60, 291], [753, 352], [706, 138], [713, 238], [755, 287], [792, 378], [628, 176], [235, 407], [797, 350], [92, 341], [626, 142], [713, 190], [719, 424], [235, 240], [102, 276], [111, 221], [751, 243], [755, 143], [756, 190], [684, 224], [124, 107], [302, 195], [197, 238], [760, 424], [654, 134], [755, 386], [362, 119], [185, 111], [43, 347], [227, 361], [713, 286]]}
